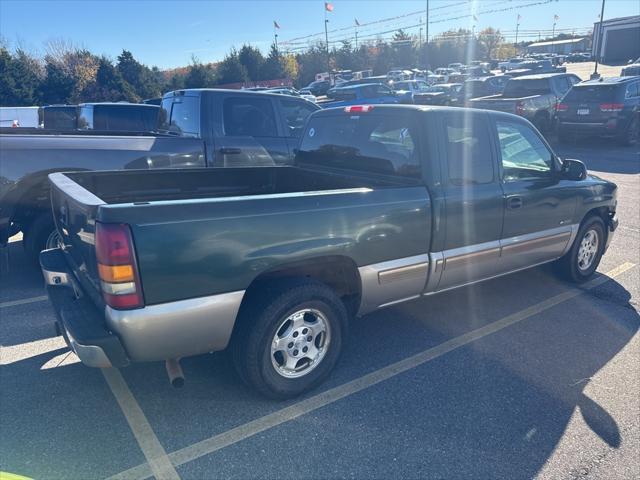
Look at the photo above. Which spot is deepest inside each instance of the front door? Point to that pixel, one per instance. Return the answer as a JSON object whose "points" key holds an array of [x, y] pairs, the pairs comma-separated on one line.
{"points": [[539, 209]]}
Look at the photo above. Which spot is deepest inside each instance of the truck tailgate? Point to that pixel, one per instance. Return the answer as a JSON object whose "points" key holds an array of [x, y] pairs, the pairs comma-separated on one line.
{"points": [[75, 210]]}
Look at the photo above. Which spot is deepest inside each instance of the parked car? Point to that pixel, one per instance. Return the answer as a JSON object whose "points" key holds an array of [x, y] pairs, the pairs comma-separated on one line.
{"points": [[533, 97], [535, 67], [510, 64], [631, 70], [118, 117], [411, 86], [273, 262], [455, 66], [62, 118], [399, 75], [198, 128], [292, 92], [370, 93], [444, 73], [577, 57], [449, 94], [319, 87], [484, 86], [14, 117], [377, 79], [607, 107]]}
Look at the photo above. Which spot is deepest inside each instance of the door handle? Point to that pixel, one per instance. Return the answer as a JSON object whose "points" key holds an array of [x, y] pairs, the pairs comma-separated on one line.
{"points": [[514, 202], [230, 151]]}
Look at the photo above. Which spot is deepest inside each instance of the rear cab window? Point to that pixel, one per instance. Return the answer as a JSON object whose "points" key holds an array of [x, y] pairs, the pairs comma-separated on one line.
{"points": [[370, 143], [180, 114], [524, 88]]}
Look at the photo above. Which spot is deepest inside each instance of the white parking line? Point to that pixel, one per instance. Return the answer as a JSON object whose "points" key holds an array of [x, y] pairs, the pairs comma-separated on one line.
{"points": [[242, 432], [24, 301], [158, 461]]}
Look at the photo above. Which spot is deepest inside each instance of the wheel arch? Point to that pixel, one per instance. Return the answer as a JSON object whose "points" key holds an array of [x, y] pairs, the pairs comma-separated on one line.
{"points": [[338, 272]]}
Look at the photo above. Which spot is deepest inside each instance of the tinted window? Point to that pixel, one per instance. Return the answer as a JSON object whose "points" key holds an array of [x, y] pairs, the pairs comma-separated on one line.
{"points": [[249, 116], [591, 93], [340, 94], [296, 114], [523, 153], [60, 118], [633, 90], [524, 88], [383, 144], [561, 84], [180, 115], [125, 118], [468, 151]]}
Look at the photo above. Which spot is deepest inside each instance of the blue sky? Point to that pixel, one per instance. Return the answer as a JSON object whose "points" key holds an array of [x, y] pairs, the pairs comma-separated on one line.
{"points": [[167, 33]]}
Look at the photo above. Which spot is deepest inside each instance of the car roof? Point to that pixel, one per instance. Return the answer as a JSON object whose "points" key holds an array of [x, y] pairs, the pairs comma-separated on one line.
{"points": [[541, 76], [608, 81]]}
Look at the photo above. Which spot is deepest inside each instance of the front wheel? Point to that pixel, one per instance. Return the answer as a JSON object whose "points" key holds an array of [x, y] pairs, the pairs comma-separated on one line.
{"points": [[289, 338], [582, 260]]}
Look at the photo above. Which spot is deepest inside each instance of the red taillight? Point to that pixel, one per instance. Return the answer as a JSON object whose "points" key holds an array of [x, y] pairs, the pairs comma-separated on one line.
{"points": [[119, 280], [358, 108], [519, 108], [561, 107], [611, 107]]}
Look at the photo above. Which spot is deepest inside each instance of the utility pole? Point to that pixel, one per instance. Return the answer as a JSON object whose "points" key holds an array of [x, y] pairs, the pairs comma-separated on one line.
{"points": [[517, 28], [426, 38], [553, 34], [595, 73], [326, 39], [420, 36]]}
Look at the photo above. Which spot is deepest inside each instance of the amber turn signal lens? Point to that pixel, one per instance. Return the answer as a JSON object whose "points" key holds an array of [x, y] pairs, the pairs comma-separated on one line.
{"points": [[116, 273]]}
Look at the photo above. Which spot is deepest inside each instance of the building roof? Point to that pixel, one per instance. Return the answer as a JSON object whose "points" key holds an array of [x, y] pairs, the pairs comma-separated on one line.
{"points": [[556, 42]]}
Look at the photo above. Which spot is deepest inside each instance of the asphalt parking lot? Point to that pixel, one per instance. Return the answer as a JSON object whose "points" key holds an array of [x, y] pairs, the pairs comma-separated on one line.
{"points": [[523, 376]]}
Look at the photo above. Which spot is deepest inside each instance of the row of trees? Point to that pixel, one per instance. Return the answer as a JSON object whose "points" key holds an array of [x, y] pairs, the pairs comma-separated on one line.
{"points": [[67, 74]]}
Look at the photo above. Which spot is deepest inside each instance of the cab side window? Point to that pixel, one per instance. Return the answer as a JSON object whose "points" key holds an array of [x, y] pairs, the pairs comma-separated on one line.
{"points": [[468, 151], [524, 155], [249, 117]]}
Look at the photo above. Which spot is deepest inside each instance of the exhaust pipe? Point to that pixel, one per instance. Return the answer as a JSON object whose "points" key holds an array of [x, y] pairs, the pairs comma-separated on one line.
{"points": [[174, 370]]}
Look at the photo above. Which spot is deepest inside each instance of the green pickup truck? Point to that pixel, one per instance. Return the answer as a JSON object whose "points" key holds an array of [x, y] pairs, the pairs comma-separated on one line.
{"points": [[384, 204]]}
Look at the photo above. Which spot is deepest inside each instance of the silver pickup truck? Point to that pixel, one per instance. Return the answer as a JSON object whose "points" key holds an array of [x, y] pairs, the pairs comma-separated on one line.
{"points": [[533, 97]]}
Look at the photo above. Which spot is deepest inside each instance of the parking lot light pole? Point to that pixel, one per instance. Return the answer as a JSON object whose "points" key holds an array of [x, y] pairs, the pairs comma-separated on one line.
{"points": [[595, 73], [426, 38], [326, 40]]}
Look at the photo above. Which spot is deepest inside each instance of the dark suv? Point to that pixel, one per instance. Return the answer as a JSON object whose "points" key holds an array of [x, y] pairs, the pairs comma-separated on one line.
{"points": [[608, 107]]}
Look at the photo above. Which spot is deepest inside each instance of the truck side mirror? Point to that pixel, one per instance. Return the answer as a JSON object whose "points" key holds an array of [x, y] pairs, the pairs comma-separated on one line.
{"points": [[573, 169]]}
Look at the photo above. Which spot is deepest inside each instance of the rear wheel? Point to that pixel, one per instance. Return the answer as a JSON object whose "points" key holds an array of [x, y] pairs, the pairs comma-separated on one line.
{"points": [[289, 338], [41, 235], [582, 260], [631, 135]]}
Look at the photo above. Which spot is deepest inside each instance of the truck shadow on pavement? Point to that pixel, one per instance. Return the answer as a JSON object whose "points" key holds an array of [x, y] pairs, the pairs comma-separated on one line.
{"points": [[495, 408]]}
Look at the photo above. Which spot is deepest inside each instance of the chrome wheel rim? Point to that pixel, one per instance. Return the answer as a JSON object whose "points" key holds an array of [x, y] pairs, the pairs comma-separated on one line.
{"points": [[300, 343], [588, 249], [53, 240]]}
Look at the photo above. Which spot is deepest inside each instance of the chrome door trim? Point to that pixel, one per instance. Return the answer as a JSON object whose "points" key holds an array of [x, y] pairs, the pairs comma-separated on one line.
{"points": [[389, 282], [525, 242], [467, 263]]}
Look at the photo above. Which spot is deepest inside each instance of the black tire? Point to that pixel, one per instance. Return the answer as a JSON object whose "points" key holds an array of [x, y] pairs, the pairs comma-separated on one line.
{"points": [[568, 266], [631, 136], [39, 236], [261, 319]]}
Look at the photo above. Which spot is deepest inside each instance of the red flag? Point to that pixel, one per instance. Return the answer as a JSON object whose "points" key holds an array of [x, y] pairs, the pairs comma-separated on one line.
{"points": [[275, 25], [328, 6], [357, 22]]}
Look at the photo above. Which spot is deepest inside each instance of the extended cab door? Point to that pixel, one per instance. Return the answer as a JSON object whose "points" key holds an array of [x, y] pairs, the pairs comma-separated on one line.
{"points": [[250, 133], [474, 205], [539, 207]]}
